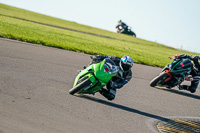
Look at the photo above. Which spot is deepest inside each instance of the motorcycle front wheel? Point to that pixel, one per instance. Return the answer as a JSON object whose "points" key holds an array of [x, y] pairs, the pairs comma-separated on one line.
{"points": [[80, 86], [158, 79]]}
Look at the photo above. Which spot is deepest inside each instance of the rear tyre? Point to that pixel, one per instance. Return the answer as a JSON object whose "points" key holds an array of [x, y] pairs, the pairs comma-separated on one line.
{"points": [[80, 86], [158, 79]]}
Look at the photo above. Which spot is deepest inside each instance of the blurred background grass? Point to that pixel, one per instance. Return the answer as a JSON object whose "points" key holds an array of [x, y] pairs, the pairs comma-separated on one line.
{"points": [[113, 44]]}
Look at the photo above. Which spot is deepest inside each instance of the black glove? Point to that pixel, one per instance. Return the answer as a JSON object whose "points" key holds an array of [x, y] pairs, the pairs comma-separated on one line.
{"points": [[98, 58], [180, 56]]}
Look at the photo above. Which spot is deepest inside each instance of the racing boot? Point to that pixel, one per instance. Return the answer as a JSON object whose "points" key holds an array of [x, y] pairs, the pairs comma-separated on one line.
{"points": [[188, 88]]}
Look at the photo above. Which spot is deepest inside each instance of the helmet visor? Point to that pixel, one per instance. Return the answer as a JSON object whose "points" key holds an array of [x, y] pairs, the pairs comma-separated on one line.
{"points": [[126, 67]]}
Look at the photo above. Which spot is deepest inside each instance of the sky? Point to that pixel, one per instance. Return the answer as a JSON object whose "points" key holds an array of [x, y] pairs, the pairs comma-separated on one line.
{"points": [[175, 23]]}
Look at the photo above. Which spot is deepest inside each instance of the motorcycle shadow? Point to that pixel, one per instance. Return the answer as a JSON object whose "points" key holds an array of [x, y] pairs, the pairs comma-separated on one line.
{"points": [[179, 92], [122, 107]]}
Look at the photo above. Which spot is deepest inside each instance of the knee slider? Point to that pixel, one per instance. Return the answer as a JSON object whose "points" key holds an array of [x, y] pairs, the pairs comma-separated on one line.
{"points": [[111, 97]]}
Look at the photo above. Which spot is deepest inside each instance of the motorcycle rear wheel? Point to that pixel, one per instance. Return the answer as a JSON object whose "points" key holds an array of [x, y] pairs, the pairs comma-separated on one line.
{"points": [[158, 79], [80, 86]]}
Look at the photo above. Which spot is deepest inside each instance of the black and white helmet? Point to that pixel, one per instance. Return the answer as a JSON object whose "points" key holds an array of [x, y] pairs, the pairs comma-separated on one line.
{"points": [[126, 63]]}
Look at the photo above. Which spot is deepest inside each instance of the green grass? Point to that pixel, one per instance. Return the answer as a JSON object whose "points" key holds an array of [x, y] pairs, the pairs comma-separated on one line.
{"points": [[142, 51]]}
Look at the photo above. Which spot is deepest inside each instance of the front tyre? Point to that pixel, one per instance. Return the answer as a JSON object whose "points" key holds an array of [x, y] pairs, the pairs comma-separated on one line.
{"points": [[158, 79], [80, 86]]}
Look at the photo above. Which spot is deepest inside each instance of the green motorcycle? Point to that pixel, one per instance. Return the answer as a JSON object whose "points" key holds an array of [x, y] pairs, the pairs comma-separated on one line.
{"points": [[94, 77]]}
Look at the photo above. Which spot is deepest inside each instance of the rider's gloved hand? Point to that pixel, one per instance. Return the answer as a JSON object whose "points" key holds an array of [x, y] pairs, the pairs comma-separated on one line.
{"points": [[183, 56], [180, 56], [98, 58]]}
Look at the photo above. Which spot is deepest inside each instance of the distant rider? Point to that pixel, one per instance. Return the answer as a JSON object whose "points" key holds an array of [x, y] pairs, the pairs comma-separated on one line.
{"points": [[124, 28], [120, 23], [195, 73], [123, 76]]}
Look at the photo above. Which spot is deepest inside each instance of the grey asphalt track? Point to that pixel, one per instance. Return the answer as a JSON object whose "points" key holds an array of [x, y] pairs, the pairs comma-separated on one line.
{"points": [[34, 84]]}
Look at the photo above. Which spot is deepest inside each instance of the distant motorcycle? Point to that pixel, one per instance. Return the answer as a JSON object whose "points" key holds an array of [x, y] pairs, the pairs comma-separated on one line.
{"points": [[124, 29], [174, 74]]}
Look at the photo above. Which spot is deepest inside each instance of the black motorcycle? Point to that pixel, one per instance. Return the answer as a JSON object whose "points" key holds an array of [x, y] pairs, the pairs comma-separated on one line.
{"points": [[174, 73], [124, 29]]}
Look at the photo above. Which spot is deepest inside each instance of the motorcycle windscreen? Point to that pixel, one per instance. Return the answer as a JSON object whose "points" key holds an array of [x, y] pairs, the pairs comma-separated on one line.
{"points": [[105, 70]]}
